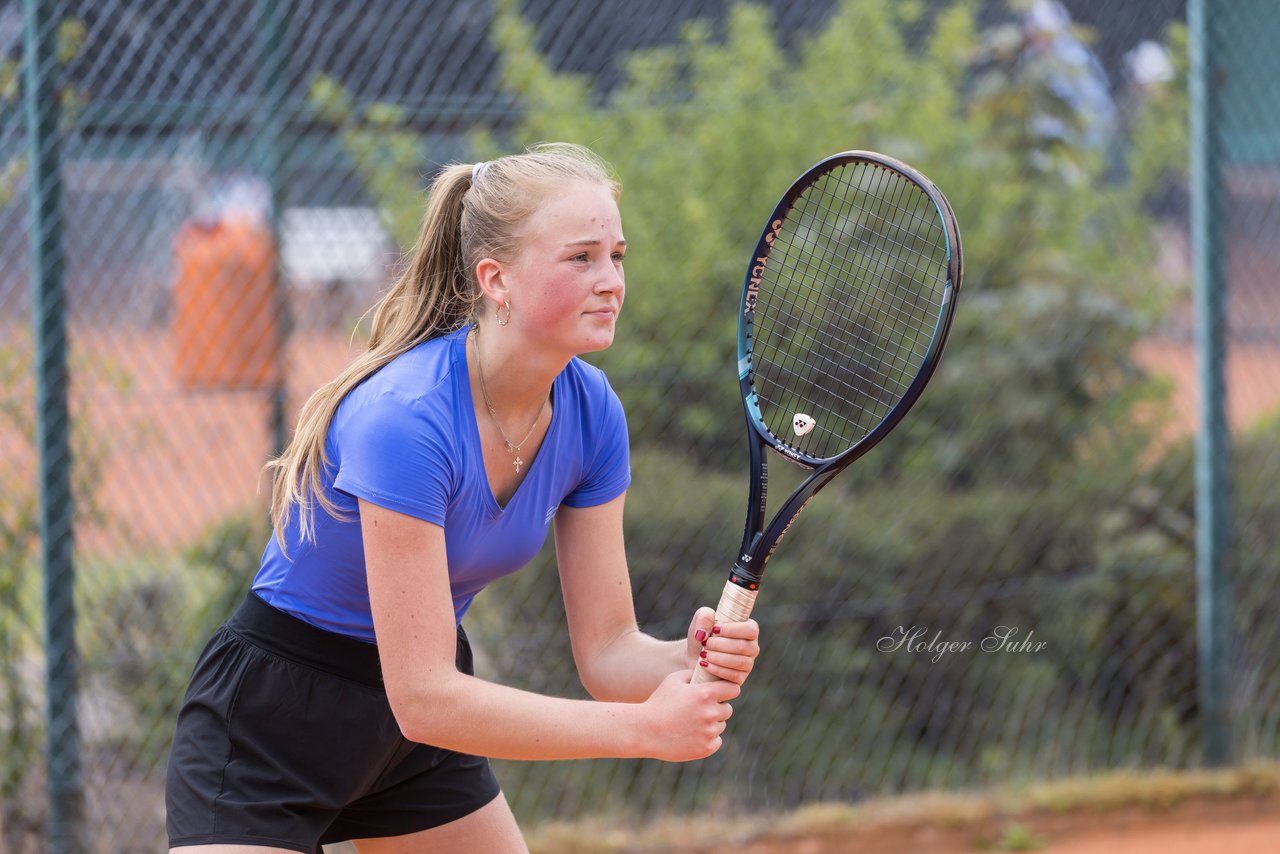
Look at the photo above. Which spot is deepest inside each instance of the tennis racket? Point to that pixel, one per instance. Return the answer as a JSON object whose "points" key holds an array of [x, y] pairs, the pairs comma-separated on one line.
{"points": [[845, 310]]}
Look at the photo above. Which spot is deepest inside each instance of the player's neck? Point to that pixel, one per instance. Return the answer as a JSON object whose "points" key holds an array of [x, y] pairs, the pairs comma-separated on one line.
{"points": [[515, 381]]}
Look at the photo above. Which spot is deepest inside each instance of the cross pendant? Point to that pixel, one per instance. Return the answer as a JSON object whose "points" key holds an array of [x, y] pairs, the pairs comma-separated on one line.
{"points": [[519, 462]]}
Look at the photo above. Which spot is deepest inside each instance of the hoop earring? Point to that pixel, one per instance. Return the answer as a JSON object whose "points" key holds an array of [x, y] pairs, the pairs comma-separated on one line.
{"points": [[497, 313]]}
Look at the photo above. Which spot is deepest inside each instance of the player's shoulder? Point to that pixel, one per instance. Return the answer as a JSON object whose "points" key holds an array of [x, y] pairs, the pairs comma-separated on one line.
{"points": [[590, 379], [417, 372], [592, 402], [581, 366], [418, 383]]}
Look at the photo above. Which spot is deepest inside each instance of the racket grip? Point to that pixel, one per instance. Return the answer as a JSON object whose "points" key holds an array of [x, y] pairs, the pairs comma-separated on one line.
{"points": [[735, 606]]}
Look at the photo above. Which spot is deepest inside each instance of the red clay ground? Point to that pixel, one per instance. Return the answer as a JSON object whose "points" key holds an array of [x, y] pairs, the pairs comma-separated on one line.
{"points": [[1248, 821], [1193, 828]]}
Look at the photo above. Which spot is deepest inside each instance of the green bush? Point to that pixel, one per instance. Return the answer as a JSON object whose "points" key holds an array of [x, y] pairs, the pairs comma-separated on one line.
{"points": [[1028, 487], [143, 624], [1011, 496]]}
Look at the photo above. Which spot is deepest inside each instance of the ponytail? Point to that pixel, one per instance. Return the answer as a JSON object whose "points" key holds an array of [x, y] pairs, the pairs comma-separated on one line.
{"points": [[432, 297]]}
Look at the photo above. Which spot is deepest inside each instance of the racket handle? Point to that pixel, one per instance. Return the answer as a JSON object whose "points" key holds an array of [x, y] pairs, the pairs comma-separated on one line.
{"points": [[735, 606]]}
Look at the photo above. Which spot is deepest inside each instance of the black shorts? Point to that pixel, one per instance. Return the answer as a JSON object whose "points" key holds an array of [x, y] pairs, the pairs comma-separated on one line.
{"points": [[285, 738]]}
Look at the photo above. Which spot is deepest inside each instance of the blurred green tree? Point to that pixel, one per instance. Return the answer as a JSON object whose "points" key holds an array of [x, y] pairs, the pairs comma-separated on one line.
{"points": [[1023, 491], [1035, 438], [711, 131]]}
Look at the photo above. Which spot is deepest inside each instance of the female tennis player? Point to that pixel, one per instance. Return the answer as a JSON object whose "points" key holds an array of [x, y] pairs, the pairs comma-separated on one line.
{"points": [[338, 703]]}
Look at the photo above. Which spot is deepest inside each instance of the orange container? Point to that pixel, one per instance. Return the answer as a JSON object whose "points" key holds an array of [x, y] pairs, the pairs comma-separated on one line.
{"points": [[225, 322]]}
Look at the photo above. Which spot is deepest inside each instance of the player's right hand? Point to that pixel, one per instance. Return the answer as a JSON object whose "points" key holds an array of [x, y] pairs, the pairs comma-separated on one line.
{"points": [[681, 722]]}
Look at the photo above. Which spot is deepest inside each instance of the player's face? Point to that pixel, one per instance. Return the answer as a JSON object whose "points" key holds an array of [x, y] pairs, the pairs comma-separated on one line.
{"points": [[567, 283]]}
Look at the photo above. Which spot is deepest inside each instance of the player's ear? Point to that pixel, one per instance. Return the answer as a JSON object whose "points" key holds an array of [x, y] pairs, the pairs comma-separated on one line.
{"points": [[491, 277]]}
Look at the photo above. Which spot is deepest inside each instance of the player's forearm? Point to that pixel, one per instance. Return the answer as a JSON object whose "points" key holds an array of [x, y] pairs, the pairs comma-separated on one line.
{"points": [[470, 715], [628, 669]]}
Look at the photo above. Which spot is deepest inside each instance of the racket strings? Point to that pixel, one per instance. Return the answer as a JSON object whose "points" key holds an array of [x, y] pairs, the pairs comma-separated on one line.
{"points": [[800, 314], [848, 305], [890, 313], [803, 266], [859, 324]]}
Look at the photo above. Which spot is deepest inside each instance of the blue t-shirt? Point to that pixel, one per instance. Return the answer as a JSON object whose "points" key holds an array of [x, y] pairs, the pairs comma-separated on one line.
{"points": [[406, 439]]}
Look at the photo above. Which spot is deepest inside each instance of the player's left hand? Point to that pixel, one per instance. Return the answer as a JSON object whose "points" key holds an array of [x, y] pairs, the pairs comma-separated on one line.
{"points": [[727, 650]]}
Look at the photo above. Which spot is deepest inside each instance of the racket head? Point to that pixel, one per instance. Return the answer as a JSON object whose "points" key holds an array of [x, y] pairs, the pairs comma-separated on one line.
{"points": [[846, 306]]}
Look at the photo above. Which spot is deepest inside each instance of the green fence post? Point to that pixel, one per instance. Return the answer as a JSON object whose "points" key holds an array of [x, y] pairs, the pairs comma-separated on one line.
{"points": [[1213, 603], [270, 130], [53, 430]]}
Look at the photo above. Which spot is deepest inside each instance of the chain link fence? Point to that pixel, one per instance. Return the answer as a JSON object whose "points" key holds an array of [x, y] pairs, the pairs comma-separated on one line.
{"points": [[1006, 590]]}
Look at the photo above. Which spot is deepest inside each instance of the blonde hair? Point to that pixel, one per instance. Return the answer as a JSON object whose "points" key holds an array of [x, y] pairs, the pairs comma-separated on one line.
{"points": [[466, 221]]}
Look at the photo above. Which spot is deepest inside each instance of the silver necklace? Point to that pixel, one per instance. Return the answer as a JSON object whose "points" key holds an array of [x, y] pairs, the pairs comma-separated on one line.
{"points": [[512, 447]]}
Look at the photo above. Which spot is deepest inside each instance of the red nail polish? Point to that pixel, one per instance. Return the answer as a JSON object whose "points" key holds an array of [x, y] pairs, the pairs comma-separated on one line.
{"points": [[715, 630], [700, 636], [702, 654], [703, 662]]}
